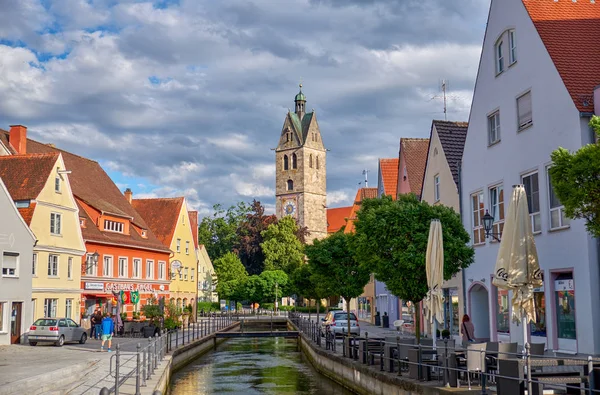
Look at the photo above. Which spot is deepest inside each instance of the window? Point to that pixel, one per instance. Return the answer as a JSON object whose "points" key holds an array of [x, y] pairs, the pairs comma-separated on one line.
{"points": [[187, 248], [69, 308], [2, 317], [122, 267], [82, 222], [161, 270], [144, 234], [55, 220], [317, 159], [494, 128], [22, 203], [497, 208], [557, 210], [149, 269], [294, 161], [70, 268], [178, 245], [113, 226], [532, 190], [286, 165], [538, 327], [91, 268], [192, 275], [310, 161], [524, 113], [52, 265], [436, 187], [564, 299], [290, 185], [10, 264], [107, 267], [499, 57], [477, 209], [137, 268], [34, 265], [502, 311], [512, 46], [57, 184], [185, 273], [50, 307]]}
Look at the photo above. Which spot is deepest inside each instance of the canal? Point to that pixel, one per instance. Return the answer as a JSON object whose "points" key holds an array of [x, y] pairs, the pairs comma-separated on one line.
{"points": [[253, 366]]}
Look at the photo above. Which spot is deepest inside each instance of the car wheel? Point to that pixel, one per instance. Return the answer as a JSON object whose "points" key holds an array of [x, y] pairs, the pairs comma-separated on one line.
{"points": [[83, 339], [60, 341], [33, 343]]}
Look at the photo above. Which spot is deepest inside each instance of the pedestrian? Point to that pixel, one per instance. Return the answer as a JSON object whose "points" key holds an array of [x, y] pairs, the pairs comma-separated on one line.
{"points": [[467, 330], [108, 329], [98, 324], [93, 324]]}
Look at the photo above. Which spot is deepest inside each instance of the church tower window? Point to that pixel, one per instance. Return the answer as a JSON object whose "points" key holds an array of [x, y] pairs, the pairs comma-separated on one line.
{"points": [[317, 162], [310, 161], [285, 162], [290, 185], [294, 161]]}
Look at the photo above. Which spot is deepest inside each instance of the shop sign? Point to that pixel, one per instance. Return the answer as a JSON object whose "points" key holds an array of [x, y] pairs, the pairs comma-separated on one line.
{"points": [[539, 289], [109, 287], [94, 286], [564, 285]]}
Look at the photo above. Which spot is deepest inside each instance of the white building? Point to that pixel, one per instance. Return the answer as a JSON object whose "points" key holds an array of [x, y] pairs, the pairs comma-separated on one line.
{"points": [[534, 92]]}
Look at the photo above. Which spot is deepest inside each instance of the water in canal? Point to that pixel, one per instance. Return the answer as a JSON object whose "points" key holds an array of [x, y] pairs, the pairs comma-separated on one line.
{"points": [[253, 366]]}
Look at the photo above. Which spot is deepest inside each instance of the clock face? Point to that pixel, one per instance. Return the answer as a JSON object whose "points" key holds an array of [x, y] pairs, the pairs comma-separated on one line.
{"points": [[289, 207]]}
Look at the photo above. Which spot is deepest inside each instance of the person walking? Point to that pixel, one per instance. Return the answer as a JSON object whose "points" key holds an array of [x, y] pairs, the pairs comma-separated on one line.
{"points": [[108, 329], [94, 325], [98, 324], [467, 330]]}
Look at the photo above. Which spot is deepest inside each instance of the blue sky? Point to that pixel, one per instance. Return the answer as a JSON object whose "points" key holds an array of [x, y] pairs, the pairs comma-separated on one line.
{"points": [[187, 97]]}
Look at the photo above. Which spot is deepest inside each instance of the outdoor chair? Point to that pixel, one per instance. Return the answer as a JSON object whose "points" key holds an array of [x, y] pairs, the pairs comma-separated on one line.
{"points": [[537, 349], [475, 360], [399, 325]]}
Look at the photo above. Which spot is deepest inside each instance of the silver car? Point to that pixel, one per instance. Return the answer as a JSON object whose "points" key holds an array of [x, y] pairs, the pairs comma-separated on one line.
{"points": [[56, 330], [337, 321]]}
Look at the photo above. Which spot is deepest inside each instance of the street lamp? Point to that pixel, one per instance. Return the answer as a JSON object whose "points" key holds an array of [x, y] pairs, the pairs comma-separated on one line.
{"points": [[488, 224], [91, 261]]}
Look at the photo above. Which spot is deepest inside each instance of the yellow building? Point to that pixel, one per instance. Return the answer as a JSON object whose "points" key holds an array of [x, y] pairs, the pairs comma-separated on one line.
{"points": [[176, 228], [40, 188], [206, 279]]}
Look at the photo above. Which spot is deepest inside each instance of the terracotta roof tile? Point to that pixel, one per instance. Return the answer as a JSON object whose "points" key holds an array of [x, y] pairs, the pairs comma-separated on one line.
{"points": [[194, 224], [362, 193], [336, 218], [415, 155], [26, 175], [452, 136], [389, 175], [27, 213], [161, 215], [570, 32]]}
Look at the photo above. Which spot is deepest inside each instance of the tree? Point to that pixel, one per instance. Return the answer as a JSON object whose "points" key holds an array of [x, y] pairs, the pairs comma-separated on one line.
{"points": [[276, 284], [281, 246], [218, 233], [576, 181], [231, 275], [391, 237], [254, 289], [334, 259], [248, 246]]}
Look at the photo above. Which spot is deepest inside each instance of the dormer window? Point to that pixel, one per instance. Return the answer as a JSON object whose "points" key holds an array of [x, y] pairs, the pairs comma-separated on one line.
{"points": [[57, 185], [113, 226], [144, 233], [82, 222], [22, 203]]}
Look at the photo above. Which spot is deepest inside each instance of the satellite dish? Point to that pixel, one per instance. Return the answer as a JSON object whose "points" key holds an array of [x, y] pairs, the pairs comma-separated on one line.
{"points": [[176, 265]]}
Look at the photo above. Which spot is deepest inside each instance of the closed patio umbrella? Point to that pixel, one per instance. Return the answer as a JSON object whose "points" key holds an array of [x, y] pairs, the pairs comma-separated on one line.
{"points": [[434, 263], [517, 266]]}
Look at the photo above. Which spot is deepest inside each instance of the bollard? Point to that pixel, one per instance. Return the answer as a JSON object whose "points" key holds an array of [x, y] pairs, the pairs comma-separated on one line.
{"points": [[398, 355], [117, 362], [137, 369], [104, 391]]}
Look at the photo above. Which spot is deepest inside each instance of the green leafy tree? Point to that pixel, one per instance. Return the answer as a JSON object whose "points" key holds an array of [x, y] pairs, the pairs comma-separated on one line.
{"points": [[391, 237], [219, 232], [276, 284], [576, 181], [248, 246], [231, 275], [333, 258], [254, 289], [281, 246]]}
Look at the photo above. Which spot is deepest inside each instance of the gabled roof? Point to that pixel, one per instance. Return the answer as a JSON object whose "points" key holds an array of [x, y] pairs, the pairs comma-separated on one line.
{"points": [[26, 175], [336, 218], [452, 136], [161, 215], [389, 176], [415, 157], [361, 194], [570, 32]]}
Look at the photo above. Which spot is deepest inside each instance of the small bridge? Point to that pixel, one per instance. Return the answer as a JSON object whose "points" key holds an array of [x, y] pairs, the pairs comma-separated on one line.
{"points": [[229, 335]]}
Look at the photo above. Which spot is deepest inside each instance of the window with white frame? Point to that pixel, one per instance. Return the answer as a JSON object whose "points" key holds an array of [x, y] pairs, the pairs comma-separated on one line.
{"points": [[50, 306], [178, 245], [512, 46], [70, 269], [499, 50], [161, 270], [149, 269], [34, 265], [69, 308], [57, 184], [10, 264], [107, 266], [137, 268], [113, 226], [477, 213], [55, 223], [497, 208], [524, 113], [91, 268], [52, 265], [436, 187], [494, 128], [558, 219], [187, 248], [532, 190], [122, 267]]}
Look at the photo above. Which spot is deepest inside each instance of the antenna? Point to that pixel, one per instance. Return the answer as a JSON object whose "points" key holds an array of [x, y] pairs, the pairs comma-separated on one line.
{"points": [[366, 174], [444, 96], [444, 93]]}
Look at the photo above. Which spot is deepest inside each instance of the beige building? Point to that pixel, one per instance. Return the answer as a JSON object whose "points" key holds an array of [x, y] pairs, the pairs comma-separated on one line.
{"points": [[440, 186]]}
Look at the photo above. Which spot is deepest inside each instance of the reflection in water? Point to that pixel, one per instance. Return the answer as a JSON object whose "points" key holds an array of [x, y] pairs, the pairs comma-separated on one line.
{"points": [[253, 366]]}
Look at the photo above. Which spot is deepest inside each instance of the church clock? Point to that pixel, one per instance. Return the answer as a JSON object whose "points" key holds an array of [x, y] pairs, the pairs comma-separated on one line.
{"points": [[289, 208]]}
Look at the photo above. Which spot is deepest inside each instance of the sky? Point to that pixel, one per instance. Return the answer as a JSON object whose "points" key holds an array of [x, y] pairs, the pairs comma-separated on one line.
{"points": [[188, 97]]}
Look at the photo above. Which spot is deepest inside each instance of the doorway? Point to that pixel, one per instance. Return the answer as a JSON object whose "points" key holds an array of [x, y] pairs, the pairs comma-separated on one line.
{"points": [[480, 313], [15, 322]]}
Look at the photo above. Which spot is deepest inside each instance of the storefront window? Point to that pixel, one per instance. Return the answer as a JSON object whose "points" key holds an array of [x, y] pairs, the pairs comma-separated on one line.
{"points": [[538, 328], [502, 311], [565, 306], [451, 319]]}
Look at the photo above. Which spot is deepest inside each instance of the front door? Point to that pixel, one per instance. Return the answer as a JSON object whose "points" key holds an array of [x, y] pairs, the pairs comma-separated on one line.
{"points": [[15, 322]]}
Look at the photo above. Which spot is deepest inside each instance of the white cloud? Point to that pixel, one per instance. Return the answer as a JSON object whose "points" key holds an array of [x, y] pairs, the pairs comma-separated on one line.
{"points": [[338, 198]]}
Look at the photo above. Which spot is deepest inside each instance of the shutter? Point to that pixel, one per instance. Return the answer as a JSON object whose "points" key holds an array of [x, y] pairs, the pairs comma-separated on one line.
{"points": [[524, 109]]}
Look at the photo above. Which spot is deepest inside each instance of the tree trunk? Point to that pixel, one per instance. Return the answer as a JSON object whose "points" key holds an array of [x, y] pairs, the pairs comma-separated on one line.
{"points": [[418, 321], [318, 323], [348, 317]]}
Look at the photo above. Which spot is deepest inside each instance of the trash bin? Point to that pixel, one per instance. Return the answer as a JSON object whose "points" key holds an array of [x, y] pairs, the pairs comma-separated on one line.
{"points": [[377, 319], [386, 321]]}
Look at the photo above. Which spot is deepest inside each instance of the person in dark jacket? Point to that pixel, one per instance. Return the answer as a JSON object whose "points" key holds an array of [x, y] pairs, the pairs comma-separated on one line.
{"points": [[95, 321]]}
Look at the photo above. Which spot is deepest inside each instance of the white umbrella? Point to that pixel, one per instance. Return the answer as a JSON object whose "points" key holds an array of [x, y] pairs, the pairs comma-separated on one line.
{"points": [[517, 266], [434, 262]]}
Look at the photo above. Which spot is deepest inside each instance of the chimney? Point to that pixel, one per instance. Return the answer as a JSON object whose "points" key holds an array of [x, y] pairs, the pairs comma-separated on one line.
{"points": [[18, 138], [194, 224], [128, 195]]}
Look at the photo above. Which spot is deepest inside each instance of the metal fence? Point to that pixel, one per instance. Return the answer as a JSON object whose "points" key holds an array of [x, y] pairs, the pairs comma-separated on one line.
{"points": [[491, 367]]}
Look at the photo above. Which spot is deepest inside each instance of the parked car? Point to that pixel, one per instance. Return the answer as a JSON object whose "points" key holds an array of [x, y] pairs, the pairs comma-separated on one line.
{"points": [[56, 330], [337, 322]]}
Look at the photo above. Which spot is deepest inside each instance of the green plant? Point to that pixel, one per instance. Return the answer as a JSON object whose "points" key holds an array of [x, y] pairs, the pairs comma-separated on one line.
{"points": [[238, 306], [445, 334], [123, 316], [171, 323], [152, 311], [136, 315]]}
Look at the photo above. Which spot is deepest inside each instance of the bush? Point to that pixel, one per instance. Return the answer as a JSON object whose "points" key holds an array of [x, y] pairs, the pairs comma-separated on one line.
{"points": [[171, 323], [312, 309], [209, 306], [136, 315], [286, 308], [267, 306]]}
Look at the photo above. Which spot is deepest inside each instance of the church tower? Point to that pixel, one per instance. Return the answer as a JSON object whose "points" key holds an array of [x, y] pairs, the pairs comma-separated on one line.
{"points": [[300, 176]]}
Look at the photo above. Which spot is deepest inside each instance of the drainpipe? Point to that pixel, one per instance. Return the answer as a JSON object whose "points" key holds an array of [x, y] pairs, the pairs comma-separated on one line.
{"points": [[460, 208]]}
